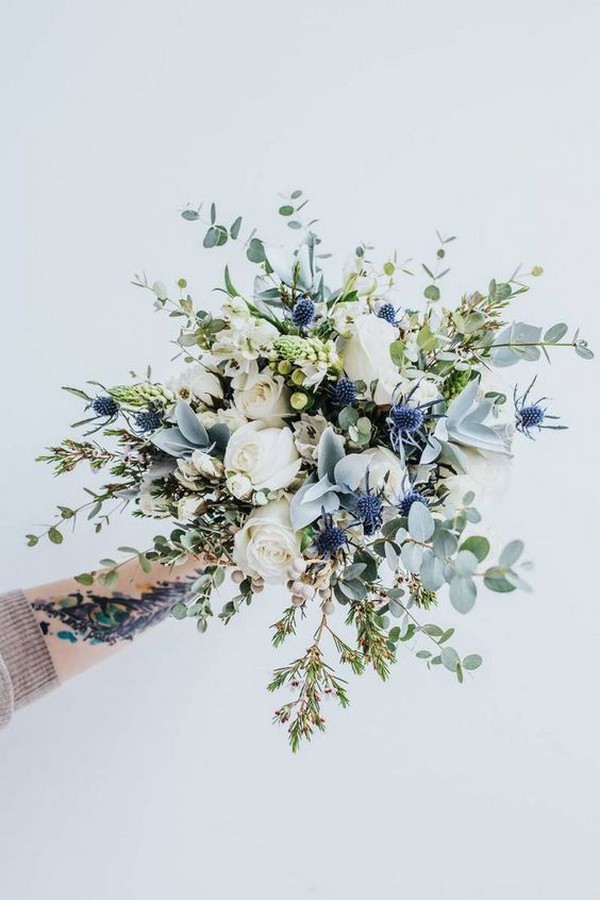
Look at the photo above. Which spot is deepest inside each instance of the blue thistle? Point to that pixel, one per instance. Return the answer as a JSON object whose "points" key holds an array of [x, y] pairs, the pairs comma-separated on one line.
{"points": [[532, 415], [408, 499], [303, 313], [148, 420], [331, 539], [369, 508], [105, 406], [344, 392], [387, 312], [406, 418]]}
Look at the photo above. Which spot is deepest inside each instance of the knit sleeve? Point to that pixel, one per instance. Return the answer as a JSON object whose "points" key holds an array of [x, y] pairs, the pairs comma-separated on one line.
{"points": [[26, 667]]}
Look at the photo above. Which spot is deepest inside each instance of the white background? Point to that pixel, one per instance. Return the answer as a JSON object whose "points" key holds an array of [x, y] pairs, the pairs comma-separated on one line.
{"points": [[159, 774]]}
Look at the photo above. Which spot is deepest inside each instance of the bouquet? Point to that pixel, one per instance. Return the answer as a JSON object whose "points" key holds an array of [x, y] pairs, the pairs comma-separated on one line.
{"points": [[332, 439]]}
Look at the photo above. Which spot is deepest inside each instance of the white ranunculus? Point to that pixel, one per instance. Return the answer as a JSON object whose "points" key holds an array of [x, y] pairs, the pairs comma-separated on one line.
{"points": [[487, 475], [366, 356], [266, 546], [263, 397], [266, 456], [382, 462]]}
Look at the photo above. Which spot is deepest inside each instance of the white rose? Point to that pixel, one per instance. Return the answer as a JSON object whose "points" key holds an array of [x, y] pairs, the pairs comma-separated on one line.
{"points": [[239, 486], [263, 397], [487, 475], [384, 462], [266, 547], [366, 356], [266, 456]]}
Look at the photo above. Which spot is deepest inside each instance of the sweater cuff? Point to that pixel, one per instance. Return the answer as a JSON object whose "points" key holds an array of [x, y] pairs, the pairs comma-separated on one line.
{"points": [[24, 655]]}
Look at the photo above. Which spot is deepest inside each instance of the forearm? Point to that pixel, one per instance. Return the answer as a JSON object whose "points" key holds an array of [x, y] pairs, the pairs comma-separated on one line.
{"points": [[84, 625]]}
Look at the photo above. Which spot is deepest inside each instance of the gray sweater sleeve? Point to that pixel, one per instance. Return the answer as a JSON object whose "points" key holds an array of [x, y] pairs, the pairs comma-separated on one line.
{"points": [[26, 668]]}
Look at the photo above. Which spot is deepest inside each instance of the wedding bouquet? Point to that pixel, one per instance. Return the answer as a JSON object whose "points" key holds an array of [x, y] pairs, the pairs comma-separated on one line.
{"points": [[332, 440]]}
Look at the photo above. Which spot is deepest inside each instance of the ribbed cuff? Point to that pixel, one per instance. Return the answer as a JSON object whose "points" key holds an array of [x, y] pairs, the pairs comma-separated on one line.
{"points": [[23, 652]]}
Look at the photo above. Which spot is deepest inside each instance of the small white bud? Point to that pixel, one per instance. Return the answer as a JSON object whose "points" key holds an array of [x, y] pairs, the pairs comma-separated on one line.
{"points": [[237, 576], [297, 601], [328, 608]]}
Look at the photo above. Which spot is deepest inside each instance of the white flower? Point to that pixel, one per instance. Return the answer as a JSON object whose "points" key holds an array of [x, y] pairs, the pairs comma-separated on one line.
{"points": [[207, 465], [427, 389], [242, 344], [487, 475], [239, 486], [366, 356], [343, 316], [307, 431], [382, 462], [155, 507], [262, 396], [197, 382], [187, 508], [266, 456], [266, 547], [231, 417]]}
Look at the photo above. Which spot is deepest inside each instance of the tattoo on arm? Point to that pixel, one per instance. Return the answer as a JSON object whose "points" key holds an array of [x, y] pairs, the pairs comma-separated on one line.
{"points": [[107, 619]]}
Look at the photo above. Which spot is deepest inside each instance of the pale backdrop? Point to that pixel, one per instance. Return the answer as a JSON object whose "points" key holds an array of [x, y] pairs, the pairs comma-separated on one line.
{"points": [[160, 775]]}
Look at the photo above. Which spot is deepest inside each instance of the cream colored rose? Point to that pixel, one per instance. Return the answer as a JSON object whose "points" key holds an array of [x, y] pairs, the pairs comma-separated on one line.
{"points": [[187, 508], [266, 456], [366, 356], [263, 397], [155, 507], [266, 547]]}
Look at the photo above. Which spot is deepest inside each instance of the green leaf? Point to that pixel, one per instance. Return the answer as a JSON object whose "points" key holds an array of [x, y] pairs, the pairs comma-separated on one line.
{"points": [[555, 333], [584, 351], [213, 213], [450, 658], [420, 522], [478, 546], [190, 215], [432, 292], [397, 353], [235, 228], [55, 536], [348, 416], [511, 553], [229, 284], [256, 251], [32, 540], [473, 661], [286, 210], [211, 238], [495, 580], [295, 194], [463, 593], [85, 578]]}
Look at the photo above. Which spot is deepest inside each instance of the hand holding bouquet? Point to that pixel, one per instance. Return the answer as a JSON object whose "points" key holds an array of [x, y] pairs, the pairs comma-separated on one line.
{"points": [[329, 439]]}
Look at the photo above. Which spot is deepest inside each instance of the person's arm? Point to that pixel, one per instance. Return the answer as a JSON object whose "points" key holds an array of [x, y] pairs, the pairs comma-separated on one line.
{"points": [[52, 632]]}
